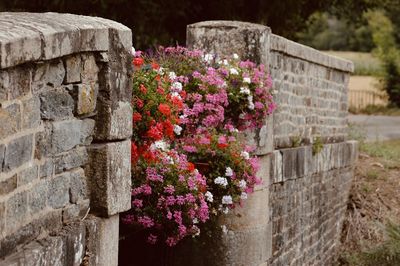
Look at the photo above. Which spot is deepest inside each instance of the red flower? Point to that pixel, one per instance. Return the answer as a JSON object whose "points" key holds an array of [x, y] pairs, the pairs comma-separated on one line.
{"points": [[143, 89], [177, 102], [155, 132], [183, 94], [222, 145], [138, 61], [168, 129], [139, 103], [137, 117], [160, 90], [154, 65], [164, 109], [190, 166], [134, 153]]}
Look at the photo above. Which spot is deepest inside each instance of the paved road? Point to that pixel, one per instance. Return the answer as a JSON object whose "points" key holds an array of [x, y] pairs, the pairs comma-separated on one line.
{"points": [[378, 127]]}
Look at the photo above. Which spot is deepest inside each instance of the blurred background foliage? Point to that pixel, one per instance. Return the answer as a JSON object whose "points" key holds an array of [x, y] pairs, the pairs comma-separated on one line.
{"points": [[369, 26]]}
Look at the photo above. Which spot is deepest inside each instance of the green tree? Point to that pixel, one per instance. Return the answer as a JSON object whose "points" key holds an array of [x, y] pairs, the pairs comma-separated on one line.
{"points": [[387, 49]]}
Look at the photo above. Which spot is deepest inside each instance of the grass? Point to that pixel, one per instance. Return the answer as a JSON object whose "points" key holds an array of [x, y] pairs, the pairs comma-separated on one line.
{"points": [[371, 234], [365, 64], [387, 150], [377, 110]]}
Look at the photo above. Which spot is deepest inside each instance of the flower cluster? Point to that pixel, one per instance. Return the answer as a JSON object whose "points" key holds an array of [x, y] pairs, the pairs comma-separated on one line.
{"points": [[189, 162]]}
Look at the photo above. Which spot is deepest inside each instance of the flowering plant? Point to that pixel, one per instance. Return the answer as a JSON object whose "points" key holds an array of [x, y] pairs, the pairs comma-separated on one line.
{"points": [[230, 170], [189, 163]]}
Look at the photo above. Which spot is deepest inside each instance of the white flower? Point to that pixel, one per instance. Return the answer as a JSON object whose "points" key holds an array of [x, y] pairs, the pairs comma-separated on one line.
{"points": [[133, 51], [209, 196], [177, 86], [221, 181], [225, 210], [177, 130], [183, 116], [225, 62], [247, 80], [228, 171], [208, 58], [250, 100], [169, 159], [159, 145], [195, 221], [227, 199], [245, 90], [235, 56], [243, 196], [251, 106], [242, 184], [175, 94], [161, 71], [224, 229], [172, 75], [245, 155], [233, 71]]}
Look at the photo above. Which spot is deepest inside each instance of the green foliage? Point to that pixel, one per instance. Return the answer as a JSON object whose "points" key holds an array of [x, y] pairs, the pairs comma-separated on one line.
{"points": [[164, 22], [317, 145], [365, 64], [388, 150], [388, 51], [387, 254], [379, 110], [327, 32]]}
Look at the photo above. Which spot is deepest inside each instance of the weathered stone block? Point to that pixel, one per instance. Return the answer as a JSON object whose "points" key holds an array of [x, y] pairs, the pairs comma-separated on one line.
{"points": [[289, 160], [28, 175], [17, 207], [264, 172], [2, 154], [78, 187], [253, 214], [74, 236], [18, 152], [2, 221], [43, 141], [19, 82], [102, 241], [89, 68], [69, 134], [73, 69], [4, 85], [54, 250], [86, 98], [75, 211], [276, 167], [58, 191], [109, 177], [249, 41], [8, 185], [46, 169], [10, 120], [37, 197], [31, 113], [72, 159], [56, 104]]}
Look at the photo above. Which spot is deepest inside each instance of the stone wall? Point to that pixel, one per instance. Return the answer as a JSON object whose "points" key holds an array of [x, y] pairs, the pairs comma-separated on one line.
{"points": [[65, 125], [295, 217]]}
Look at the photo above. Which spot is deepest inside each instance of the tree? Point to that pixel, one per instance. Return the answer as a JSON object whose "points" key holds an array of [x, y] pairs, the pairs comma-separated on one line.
{"points": [[164, 22]]}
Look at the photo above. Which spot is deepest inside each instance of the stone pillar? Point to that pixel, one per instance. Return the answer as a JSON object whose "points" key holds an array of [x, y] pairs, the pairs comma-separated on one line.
{"points": [[248, 237]]}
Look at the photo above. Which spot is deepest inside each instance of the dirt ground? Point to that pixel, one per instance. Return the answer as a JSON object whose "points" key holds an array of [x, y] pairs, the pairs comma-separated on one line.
{"points": [[374, 198]]}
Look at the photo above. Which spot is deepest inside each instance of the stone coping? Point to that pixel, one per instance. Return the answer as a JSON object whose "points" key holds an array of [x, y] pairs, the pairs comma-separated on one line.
{"points": [[26, 37], [294, 49], [280, 44]]}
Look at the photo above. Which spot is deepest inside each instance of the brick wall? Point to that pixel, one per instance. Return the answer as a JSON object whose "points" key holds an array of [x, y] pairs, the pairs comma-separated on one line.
{"points": [[295, 217], [311, 94], [64, 138]]}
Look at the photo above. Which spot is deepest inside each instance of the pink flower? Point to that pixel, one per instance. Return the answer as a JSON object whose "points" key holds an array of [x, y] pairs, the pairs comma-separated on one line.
{"points": [[146, 221], [137, 203], [152, 239]]}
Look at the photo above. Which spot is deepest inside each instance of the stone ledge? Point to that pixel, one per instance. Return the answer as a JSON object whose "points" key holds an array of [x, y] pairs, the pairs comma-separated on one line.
{"points": [[26, 37], [292, 48]]}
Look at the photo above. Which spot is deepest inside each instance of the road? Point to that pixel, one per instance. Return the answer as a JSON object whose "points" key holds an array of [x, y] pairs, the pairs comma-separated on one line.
{"points": [[378, 127]]}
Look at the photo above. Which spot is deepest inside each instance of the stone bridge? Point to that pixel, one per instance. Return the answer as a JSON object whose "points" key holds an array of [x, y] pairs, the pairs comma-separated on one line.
{"points": [[65, 129]]}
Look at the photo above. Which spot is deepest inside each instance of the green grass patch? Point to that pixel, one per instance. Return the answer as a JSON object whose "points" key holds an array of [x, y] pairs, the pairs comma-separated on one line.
{"points": [[377, 110], [388, 150], [365, 64]]}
